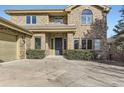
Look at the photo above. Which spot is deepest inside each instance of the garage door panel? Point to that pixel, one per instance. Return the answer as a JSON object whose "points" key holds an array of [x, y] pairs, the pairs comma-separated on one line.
{"points": [[7, 47], [7, 37]]}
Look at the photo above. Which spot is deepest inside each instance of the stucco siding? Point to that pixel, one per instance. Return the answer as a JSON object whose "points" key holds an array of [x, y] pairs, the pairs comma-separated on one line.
{"points": [[42, 19], [21, 19]]}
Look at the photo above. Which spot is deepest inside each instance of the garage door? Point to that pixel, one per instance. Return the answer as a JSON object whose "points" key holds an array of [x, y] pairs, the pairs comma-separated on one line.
{"points": [[7, 47]]}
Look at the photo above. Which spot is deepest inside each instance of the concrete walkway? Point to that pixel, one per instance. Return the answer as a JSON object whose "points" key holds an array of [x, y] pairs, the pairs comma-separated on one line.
{"points": [[55, 71]]}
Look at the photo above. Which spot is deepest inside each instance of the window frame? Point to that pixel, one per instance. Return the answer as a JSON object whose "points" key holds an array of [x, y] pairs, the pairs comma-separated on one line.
{"points": [[60, 18], [28, 21], [97, 44], [86, 40], [65, 45], [31, 19], [34, 19], [35, 42], [91, 44], [86, 17], [78, 43], [82, 44]]}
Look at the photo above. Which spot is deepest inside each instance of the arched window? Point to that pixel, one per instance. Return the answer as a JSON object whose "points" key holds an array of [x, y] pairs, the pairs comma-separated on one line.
{"points": [[86, 17]]}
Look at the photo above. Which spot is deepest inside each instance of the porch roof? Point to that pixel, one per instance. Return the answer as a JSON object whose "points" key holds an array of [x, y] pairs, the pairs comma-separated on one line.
{"points": [[51, 28]]}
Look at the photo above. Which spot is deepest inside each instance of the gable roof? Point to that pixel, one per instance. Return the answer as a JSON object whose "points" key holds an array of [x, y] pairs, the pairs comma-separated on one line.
{"points": [[103, 7], [13, 26]]}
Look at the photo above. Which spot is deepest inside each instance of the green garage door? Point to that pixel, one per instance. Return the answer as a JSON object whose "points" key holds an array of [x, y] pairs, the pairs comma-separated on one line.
{"points": [[8, 46]]}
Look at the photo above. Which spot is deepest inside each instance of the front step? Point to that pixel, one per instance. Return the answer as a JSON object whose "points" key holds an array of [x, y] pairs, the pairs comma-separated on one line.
{"points": [[55, 57]]}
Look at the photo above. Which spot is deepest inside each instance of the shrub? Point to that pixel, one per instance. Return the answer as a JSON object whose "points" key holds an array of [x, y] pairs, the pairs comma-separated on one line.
{"points": [[35, 54], [78, 55], [97, 56], [118, 56]]}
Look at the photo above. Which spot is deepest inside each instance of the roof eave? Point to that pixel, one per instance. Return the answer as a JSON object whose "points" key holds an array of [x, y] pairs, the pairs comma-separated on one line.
{"points": [[53, 31], [14, 26], [11, 12]]}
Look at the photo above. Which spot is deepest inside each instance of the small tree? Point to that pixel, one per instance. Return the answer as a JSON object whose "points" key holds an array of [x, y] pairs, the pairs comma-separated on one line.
{"points": [[119, 30]]}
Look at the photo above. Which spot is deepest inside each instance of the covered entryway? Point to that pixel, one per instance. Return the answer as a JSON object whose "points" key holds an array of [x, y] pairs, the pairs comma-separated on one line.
{"points": [[51, 34], [55, 43], [58, 43], [8, 47]]}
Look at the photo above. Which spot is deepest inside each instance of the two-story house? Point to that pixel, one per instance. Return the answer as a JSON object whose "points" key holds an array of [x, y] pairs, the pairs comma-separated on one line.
{"points": [[55, 30]]}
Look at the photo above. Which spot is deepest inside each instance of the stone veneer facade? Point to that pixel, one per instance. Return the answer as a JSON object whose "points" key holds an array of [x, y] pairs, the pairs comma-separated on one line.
{"points": [[89, 31], [71, 16], [23, 44]]}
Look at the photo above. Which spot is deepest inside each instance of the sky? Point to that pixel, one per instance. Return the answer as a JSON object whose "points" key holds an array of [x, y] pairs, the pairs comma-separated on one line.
{"points": [[112, 18]]}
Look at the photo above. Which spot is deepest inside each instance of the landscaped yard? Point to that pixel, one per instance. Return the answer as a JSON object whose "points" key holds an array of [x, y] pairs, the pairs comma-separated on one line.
{"points": [[57, 72]]}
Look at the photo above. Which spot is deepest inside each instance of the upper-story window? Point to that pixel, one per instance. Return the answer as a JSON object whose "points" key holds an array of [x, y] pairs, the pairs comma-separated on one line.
{"points": [[58, 20], [28, 19], [31, 19], [86, 17]]}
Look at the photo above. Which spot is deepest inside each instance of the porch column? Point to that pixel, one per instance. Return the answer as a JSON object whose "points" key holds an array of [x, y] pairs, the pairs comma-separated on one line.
{"points": [[70, 43], [21, 47], [43, 41]]}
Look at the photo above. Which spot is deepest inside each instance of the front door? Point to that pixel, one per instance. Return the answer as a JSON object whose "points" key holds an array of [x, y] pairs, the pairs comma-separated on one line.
{"points": [[58, 46]]}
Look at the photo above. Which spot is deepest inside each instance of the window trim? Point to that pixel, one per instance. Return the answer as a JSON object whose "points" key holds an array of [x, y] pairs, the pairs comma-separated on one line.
{"points": [[34, 21], [95, 43], [78, 43], [82, 23], [28, 21], [65, 48], [35, 42], [31, 19], [82, 45], [87, 43], [91, 44], [54, 18]]}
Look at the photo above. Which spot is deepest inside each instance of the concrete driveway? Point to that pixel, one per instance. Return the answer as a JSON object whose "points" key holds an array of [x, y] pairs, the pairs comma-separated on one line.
{"points": [[59, 72]]}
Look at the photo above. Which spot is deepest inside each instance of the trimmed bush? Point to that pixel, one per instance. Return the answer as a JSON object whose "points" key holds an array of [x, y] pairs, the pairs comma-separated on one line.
{"points": [[78, 55], [35, 54]]}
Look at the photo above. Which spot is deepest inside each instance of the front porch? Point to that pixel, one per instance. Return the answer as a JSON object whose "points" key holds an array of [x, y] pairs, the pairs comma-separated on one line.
{"points": [[54, 38], [57, 43]]}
